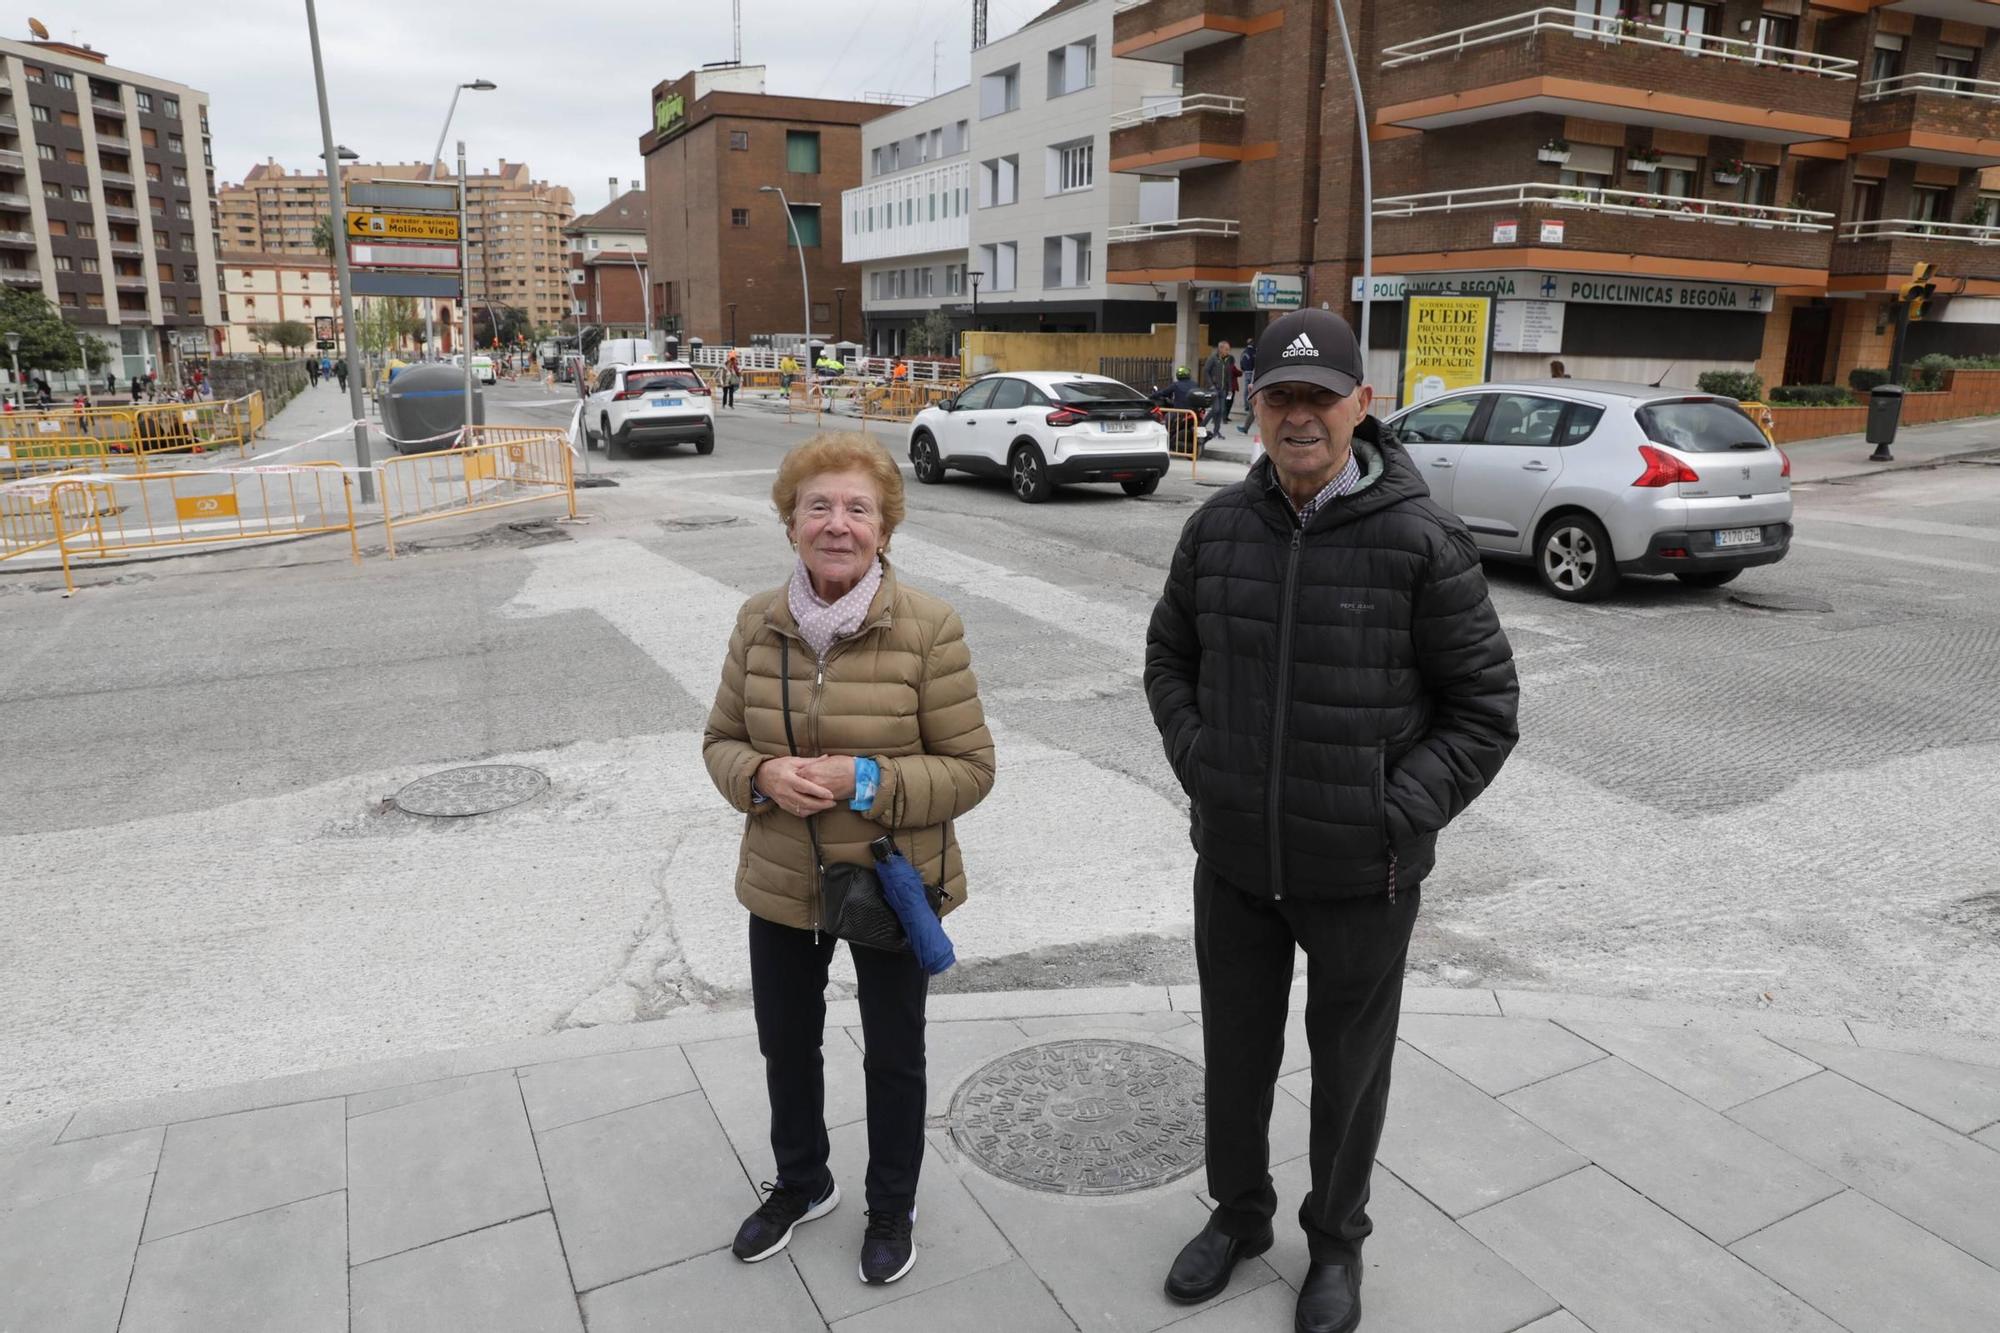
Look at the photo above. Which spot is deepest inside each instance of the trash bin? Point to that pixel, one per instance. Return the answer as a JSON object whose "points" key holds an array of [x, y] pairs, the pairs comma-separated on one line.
{"points": [[427, 401], [1885, 410]]}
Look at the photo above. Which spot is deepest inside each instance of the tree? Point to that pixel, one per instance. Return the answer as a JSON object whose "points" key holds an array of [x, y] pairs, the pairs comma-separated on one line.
{"points": [[261, 335], [47, 343], [323, 235], [385, 322], [933, 335], [292, 334], [512, 321]]}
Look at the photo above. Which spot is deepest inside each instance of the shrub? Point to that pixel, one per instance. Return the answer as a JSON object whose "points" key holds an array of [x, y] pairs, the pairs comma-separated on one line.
{"points": [[1811, 395], [1863, 378], [1929, 371], [1743, 385]]}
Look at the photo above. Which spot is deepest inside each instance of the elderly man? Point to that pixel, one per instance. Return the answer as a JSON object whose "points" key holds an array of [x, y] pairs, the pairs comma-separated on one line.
{"points": [[1333, 688]]}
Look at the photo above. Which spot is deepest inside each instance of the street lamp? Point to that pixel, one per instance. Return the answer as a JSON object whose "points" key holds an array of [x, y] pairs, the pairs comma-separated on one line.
{"points": [[840, 314], [732, 323], [804, 284], [645, 288], [14, 354], [975, 275], [430, 302], [366, 476]]}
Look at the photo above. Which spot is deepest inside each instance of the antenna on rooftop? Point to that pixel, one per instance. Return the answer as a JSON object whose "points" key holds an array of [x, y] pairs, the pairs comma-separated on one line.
{"points": [[736, 10], [978, 24]]}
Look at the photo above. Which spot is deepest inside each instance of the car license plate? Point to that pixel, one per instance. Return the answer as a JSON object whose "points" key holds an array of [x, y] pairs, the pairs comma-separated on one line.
{"points": [[1739, 537], [666, 402], [1118, 427]]}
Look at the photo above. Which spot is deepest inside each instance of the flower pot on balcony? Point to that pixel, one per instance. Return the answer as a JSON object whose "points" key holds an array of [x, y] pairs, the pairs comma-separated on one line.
{"points": [[1551, 155], [1642, 168], [1728, 178]]}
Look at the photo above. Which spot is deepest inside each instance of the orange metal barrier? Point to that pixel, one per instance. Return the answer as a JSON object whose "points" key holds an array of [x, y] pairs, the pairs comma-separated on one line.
{"points": [[35, 518], [497, 467], [107, 436]]}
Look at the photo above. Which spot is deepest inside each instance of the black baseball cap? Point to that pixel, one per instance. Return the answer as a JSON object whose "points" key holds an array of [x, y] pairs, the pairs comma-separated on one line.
{"points": [[1309, 347]]}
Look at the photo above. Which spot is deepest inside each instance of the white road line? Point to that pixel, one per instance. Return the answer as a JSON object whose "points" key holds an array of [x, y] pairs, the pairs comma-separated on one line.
{"points": [[1934, 561], [1919, 526]]}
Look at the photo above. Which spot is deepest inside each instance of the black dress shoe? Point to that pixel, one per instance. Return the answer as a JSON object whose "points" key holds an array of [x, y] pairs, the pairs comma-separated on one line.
{"points": [[1203, 1266], [1330, 1300]]}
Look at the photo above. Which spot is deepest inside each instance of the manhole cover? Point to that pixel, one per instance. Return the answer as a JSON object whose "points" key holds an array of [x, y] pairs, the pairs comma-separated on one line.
{"points": [[1083, 1117], [1780, 601], [478, 790]]}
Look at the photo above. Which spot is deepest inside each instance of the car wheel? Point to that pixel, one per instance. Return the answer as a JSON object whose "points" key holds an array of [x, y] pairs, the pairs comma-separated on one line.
{"points": [[924, 459], [1029, 474], [705, 445], [590, 440], [1141, 485], [1573, 559], [1708, 578], [610, 440]]}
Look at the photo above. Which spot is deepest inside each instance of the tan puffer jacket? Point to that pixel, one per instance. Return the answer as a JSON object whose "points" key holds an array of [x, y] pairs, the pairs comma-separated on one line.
{"points": [[900, 691]]}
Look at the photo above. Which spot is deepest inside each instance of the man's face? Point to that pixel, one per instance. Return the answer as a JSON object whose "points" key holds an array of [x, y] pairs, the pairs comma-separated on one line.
{"points": [[1308, 431]]}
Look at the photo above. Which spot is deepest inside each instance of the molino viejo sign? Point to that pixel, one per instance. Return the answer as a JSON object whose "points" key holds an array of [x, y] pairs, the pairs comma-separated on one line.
{"points": [[1447, 344]]}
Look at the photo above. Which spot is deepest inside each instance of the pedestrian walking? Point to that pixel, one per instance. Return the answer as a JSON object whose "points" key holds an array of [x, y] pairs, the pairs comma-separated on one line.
{"points": [[110, 381], [732, 375], [788, 369], [1215, 378], [312, 372], [1326, 628], [138, 385], [340, 373], [847, 710]]}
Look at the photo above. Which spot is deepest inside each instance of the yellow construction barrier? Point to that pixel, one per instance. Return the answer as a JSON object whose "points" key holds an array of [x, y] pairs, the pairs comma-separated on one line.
{"points": [[107, 436], [1183, 434], [497, 467], [35, 518]]}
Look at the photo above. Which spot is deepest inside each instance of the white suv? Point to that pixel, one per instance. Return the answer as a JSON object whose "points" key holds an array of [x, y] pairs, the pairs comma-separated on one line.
{"points": [[660, 402], [1041, 428]]}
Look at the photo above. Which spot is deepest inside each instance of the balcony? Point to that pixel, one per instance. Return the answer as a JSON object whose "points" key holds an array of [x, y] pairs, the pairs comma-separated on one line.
{"points": [[1929, 118], [1878, 255], [1559, 62], [11, 160], [128, 248], [113, 177], [116, 143], [10, 122], [21, 277], [1623, 231], [9, 199], [121, 214], [23, 239], [130, 282], [1174, 250], [1164, 31], [1167, 138], [108, 105]]}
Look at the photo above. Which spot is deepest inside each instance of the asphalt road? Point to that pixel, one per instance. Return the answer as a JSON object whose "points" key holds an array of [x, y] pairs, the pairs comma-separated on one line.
{"points": [[202, 883]]}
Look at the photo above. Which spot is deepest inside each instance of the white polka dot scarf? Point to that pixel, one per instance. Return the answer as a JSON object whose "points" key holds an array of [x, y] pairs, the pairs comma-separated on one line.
{"points": [[820, 622]]}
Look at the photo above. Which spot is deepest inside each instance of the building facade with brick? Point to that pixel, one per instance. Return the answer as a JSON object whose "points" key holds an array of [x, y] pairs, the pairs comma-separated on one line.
{"points": [[262, 289], [107, 202], [722, 264], [1678, 187]]}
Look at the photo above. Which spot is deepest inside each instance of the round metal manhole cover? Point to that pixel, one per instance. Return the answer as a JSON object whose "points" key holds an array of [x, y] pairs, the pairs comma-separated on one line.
{"points": [[1780, 601], [478, 790], [1083, 1117]]}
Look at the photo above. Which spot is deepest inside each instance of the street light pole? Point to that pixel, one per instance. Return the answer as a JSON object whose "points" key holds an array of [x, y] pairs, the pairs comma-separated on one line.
{"points": [[338, 199], [465, 292], [840, 314], [805, 284], [645, 288], [1367, 183], [14, 353], [430, 302]]}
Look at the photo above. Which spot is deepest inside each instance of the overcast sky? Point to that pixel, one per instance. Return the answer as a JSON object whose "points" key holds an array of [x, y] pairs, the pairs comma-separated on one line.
{"points": [[574, 79]]}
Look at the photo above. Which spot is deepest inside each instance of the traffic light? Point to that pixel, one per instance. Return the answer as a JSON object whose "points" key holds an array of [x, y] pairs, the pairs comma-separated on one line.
{"points": [[1916, 294]]}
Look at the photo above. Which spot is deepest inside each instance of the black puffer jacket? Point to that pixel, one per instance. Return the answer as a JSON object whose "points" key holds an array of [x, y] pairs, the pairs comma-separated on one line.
{"points": [[1351, 677]]}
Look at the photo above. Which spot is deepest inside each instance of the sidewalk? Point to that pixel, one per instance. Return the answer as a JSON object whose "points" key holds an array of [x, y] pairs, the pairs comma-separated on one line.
{"points": [[1553, 1163]]}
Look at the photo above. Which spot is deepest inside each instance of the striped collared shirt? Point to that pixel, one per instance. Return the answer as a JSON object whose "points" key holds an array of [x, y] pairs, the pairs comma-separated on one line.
{"points": [[1343, 482]]}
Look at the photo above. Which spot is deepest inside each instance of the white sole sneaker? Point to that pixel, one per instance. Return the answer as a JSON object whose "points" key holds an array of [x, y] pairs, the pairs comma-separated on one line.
{"points": [[908, 1263], [817, 1211]]}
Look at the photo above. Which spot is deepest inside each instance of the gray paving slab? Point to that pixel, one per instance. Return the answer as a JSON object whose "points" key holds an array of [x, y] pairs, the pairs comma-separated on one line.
{"points": [[1497, 1055], [1623, 1265], [36, 1175], [1562, 1321], [1267, 1307], [1458, 1147], [1702, 1167], [1939, 1180], [1421, 1271], [1971, 1048], [954, 1237], [505, 1279], [1563, 1006], [1856, 1261], [65, 1262], [1009, 1295], [231, 1165], [423, 1171], [731, 1074], [1155, 1022], [1184, 996], [383, 1099], [34, 1133], [639, 1189], [570, 1090], [953, 1052], [713, 1291], [1449, 1000], [1960, 1096], [1291, 1118], [1048, 1003], [1990, 1136], [283, 1268], [1717, 1067]]}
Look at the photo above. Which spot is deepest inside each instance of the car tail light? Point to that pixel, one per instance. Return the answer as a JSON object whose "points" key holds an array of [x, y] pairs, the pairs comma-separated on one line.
{"points": [[1787, 472], [1160, 415], [1673, 553], [624, 394], [1067, 416], [1663, 469], [699, 391]]}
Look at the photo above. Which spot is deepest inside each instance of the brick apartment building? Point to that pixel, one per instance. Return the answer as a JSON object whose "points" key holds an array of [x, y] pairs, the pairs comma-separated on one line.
{"points": [[1680, 186], [721, 261]]}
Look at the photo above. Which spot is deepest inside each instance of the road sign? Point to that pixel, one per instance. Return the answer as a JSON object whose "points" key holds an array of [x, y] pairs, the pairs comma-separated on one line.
{"points": [[326, 344], [406, 256], [400, 283], [402, 194], [205, 506], [402, 226]]}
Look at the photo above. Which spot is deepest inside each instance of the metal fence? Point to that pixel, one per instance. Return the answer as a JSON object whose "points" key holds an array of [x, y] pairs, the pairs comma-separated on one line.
{"points": [[138, 435], [1141, 372], [497, 467]]}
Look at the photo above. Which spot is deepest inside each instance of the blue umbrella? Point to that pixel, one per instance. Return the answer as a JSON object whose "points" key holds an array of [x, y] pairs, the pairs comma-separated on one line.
{"points": [[904, 888]]}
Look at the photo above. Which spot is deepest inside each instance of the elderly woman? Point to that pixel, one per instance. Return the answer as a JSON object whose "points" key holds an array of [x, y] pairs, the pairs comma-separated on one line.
{"points": [[890, 736]]}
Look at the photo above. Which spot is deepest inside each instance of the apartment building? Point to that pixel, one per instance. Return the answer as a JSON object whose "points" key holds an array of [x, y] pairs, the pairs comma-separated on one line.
{"points": [[910, 227], [107, 208], [723, 262], [1652, 189], [270, 289], [514, 225], [607, 265]]}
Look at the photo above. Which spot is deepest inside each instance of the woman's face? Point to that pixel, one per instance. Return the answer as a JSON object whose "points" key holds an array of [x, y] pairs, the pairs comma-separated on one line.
{"points": [[838, 527]]}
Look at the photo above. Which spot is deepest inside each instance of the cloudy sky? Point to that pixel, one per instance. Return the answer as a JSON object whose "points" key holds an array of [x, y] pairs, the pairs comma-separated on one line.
{"points": [[574, 78]]}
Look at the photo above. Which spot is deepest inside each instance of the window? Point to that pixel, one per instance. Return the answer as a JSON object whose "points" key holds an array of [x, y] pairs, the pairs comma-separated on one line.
{"points": [[1930, 203], [739, 217], [1520, 418], [51, 190], [998, 261], [33, 73], [190, 274], [87, 266], [1679, 177], [1887, 61], [40, 112], [66, 299], [1073, 68], [180, 177], [169, 306], [45, 151], [70, 121], [802, 151], [805, 218], [1066, 261], [73, 156], [1776, 33], [79, 194], [60, 79], [1687, 23], [1009, 394], [1759, 186], [1071, 166], [1000, 92], [150, 138], [1583, 419], [172, 107], [1864, 201], [977, 395], [999, 181], [145, 101], [1444, 422], [1590, 167], [63, 264], [86, 231], [174, 144], [1955, 63], [57, 227]]}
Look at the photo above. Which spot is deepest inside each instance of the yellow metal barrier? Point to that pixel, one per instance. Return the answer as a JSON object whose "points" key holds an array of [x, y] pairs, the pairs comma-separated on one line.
{"points": [[1183, 434], [499, 466], [107, 436], [35, 518]]}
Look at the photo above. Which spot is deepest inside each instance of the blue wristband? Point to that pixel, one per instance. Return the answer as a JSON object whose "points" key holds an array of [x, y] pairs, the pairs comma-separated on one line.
{"points": [[867, 781]]}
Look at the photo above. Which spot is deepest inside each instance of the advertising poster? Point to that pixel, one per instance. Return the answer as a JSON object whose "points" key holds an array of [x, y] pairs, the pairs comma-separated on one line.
{"points": [[1447, 344]]}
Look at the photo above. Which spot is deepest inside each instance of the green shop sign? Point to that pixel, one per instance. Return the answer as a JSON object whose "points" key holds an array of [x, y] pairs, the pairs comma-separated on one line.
{"points": [[667, 113]]}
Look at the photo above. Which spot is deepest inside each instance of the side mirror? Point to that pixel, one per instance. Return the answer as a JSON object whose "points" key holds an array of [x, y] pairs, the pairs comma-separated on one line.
{"points": [[948, 404]]}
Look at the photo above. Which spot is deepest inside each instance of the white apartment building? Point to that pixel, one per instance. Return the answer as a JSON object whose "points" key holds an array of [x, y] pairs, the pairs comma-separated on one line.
{"points": [[1026, 144]]}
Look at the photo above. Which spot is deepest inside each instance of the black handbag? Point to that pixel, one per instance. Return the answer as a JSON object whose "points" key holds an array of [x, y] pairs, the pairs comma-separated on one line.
{"points": [[852, 906]]}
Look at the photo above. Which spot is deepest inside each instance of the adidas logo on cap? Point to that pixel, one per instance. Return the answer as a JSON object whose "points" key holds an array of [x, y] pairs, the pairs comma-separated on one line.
{"points": [[1300, 346]]}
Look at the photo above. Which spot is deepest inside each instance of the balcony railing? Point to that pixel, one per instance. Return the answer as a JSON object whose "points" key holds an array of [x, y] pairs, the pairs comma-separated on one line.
{"points": [[117, 143], [17, 238], [113, 176], [1594, 27], [20, 275], [1150, 231], [128, 248], [9, 121], [122, 214], [1949, 85], [1215, 103], [109, 105], [1622, 202], [9, 199], [11, 160], [130, 281], [1884, 229]]}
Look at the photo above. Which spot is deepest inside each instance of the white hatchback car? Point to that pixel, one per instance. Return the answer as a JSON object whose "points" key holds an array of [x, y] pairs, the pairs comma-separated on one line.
{"points": [[661, 402], [1040, 429]]}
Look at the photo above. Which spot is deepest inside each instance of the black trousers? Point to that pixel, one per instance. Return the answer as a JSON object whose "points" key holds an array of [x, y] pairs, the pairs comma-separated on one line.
{"points": [[729, 395], [788, 981], [1355, 951]]}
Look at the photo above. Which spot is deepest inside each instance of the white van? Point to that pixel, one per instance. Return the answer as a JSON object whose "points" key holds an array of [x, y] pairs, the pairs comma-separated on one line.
{"points": [[624, 352], [482, 369]]}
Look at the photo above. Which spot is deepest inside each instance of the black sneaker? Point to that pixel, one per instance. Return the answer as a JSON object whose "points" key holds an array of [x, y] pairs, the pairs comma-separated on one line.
{"points": [[769, 1229], [887, 1251]]}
